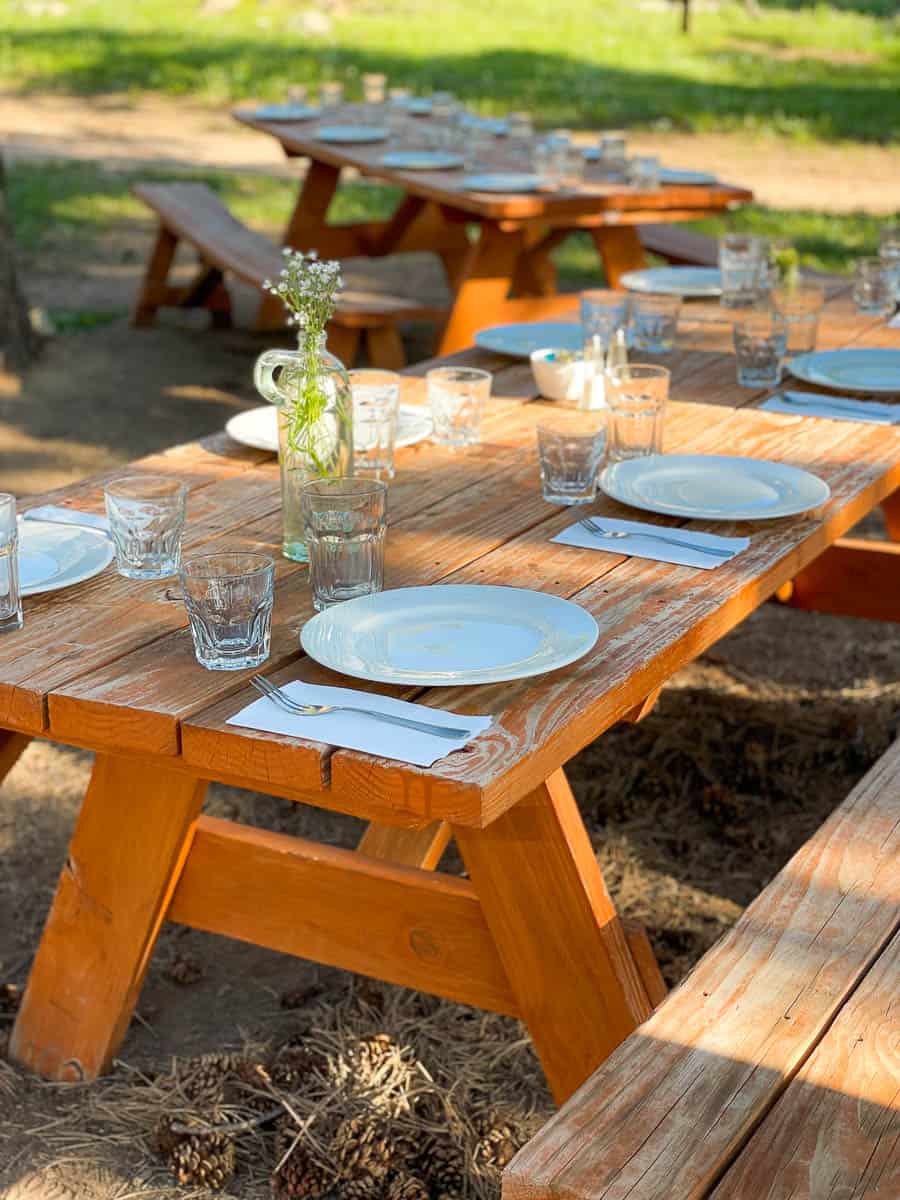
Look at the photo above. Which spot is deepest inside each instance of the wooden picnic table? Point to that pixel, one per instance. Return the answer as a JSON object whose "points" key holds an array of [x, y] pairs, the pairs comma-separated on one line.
{"points": [[109, 666], [516, 233]]}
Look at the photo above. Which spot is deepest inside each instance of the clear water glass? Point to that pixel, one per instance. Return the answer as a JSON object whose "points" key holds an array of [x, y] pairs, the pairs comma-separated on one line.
{"points": [[602, 313], [801, 306], [742, 262], [146, 519], [376, 395], [760, 345], [636, 396], [228, 597], [613, 150], [654, 323], [550, 159], [570, 459], [374, 87], [521, 125], [344, 520], [298, 94], [398, 109], [889, 253], [331, 94], [457, 396], [873, 287], [643, 172], [10, 594], [444, 106]]}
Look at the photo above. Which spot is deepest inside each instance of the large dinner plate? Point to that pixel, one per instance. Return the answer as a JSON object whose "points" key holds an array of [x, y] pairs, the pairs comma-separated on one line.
{"points": [[675, 281], [258, 427], [507, 182], [714, 487], [54, 556], [520, 341], [422, 160], [860, 370], [672, 175], [287, 112], [351, 134], [450, 634]]}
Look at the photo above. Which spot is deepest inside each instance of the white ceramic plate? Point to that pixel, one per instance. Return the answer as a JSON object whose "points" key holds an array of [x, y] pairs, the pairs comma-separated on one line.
{"points": [[450, 634], [422, 160], [258, 427], [520, 341], [859, 370], [675, 281], [347, 134], [714, 487], [696, 178], [54, 556], [419, 107], [502, 181], [286, 112]]}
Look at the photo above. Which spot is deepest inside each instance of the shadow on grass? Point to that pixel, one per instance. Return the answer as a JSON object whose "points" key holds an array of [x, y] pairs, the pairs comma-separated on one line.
{"points": [[826, 99]]}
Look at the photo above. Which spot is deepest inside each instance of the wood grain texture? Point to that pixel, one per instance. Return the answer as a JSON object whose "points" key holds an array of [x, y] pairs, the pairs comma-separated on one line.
{"points": [[852, 578], [12, 746], [128, 848], [835, 1133], [557, 932], [407, 847], [411, 927], [645, 961], [667, 1112]]}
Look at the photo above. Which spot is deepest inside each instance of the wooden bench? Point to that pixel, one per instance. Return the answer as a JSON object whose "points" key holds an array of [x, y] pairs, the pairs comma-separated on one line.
{"points": [[192, 212], [773, 1071]]}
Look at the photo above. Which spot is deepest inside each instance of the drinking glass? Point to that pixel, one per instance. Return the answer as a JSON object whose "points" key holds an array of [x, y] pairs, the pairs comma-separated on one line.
{"points": [[10, 595], [889, 253], [742, 258], [550, 158], [801, 307], [643, 172], [636, 396], [375, 398], [331, 94], [570, 458], [654, 323], [457, 396], [613, 150], [398, 108], [146, 517], [344, 520], [521, 126], [873, 287], [228, 597], [760, 344], [443, 106], [374, 86], [602, 313], [298, 94]]}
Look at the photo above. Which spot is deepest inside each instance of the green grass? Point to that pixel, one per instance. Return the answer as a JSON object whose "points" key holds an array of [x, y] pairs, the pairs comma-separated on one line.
{"points": [[809, 70]]}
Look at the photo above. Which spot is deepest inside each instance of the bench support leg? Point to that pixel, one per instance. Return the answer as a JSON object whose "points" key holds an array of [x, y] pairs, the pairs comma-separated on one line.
{"points": [[11, 747], [406, 847], [153, 289], [852, 578], [129, 846], [620, 250], [557, 932]]}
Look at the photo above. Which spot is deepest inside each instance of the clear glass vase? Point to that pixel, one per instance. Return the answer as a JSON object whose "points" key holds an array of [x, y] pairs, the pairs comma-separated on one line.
{"points": [[311, 389]]}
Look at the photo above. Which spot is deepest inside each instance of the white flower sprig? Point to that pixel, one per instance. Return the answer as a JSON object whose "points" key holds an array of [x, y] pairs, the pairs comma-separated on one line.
{"points": [[308, 287]]}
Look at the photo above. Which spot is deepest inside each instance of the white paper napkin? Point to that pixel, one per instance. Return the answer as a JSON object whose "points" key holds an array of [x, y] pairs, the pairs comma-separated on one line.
{"points": [[644, 543], [894, 322], [66, 516], [355, 732], [834, 408]]}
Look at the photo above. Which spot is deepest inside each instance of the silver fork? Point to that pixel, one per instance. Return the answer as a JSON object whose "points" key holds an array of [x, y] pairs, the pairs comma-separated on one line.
{"points": [[277, 696], [592, 527]]}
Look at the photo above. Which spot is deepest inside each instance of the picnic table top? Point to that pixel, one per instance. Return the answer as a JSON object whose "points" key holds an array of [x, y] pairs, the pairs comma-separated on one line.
{"points": [[598, 201], [109, 664]]}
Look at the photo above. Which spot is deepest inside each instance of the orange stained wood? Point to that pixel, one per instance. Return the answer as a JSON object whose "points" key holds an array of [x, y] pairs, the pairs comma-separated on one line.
{"points": [[667, 1112], [852, 578]]}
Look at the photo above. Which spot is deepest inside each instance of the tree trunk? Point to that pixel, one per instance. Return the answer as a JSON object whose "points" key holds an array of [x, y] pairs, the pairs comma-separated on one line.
{"points": [[16, 337]]}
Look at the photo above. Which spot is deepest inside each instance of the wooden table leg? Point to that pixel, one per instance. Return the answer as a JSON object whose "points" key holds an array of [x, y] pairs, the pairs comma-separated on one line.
{"points": [[485, 285], [620, 250], [11, 747], [557, 932], [406, 847], [129, 846], [890, 506]]}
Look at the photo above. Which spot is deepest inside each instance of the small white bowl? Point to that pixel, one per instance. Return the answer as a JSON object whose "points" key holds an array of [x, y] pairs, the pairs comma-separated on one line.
{"points": [[558, 374]]}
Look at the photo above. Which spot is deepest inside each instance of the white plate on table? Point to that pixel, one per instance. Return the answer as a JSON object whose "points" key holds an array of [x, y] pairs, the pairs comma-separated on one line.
{"points": [[673, 176], [351, 134], [520, 341], [506, 182], [675, 281], [258, 427], [422, 160], [286, 112], [419, 107], [54, 556], [714, 487], [859, 370], [450, 634]]}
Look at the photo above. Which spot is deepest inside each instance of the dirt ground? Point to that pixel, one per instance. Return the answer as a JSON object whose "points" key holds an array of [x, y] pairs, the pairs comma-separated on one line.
{"points": [[691, 813]]}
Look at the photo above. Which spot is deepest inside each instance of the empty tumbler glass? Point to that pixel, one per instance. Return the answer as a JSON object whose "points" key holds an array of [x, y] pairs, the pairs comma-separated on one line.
{"points": [[570, 458], [889, 253], [801, 307], [654, 323], [457, 396], [344, 520], [602, 313], [375, 397], [760, 345], [10, 594], [873, 287], [636, 396], [146, 519], [228, 597], [743, 261]]}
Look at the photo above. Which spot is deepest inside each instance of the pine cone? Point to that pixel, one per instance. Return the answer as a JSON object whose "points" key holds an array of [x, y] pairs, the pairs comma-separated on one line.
{"points": [[375, 1050], [184, 969], [363, 1153], [299, 1177], [204, 1078], [201, 1158], [401, 1185], [292, 1063], [497, 1147], [442, 1164]]}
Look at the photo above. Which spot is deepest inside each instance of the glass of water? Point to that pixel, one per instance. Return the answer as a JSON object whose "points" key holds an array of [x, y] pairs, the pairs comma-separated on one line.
{"points": [[636, 395], [654, 323], [331, 94], [375, 398], [743, 260], [345, 527], [873, 287], [643, 172], [889, 253], [760, 346], [613, 150], [602, 313], [570, 459], [801, 307], [10, 595], [374, 86], [146, 519], [228, 597], [457, 396]]}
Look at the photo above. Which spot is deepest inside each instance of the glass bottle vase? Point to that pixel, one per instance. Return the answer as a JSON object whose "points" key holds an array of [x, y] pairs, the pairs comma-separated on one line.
{"points": [[311, 390]]}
